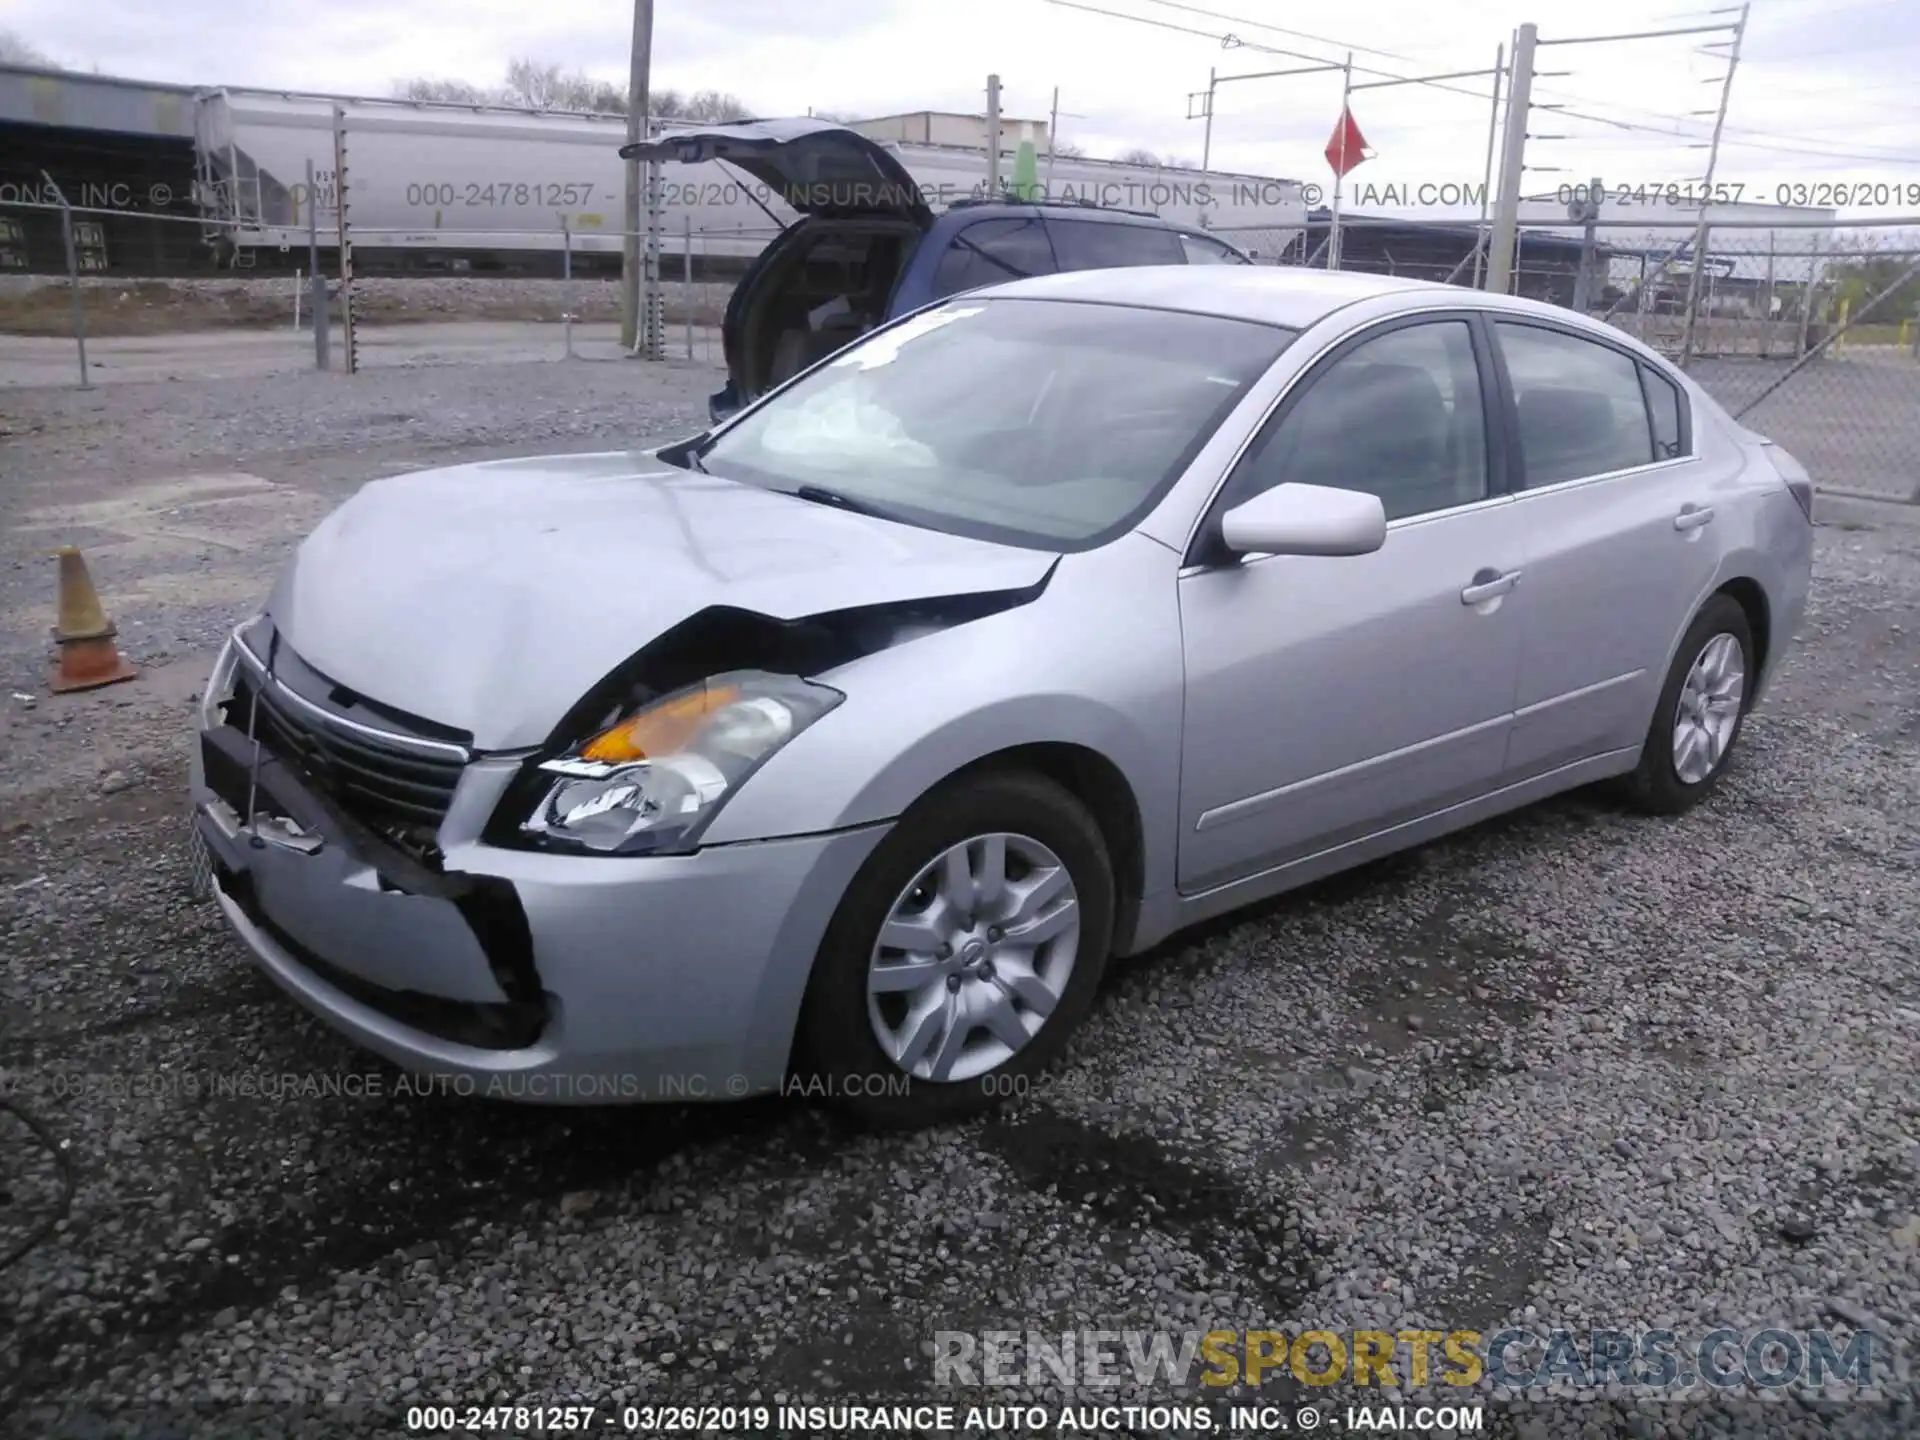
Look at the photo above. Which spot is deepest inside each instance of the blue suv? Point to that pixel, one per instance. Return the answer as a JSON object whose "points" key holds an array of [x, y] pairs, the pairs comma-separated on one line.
{"points": [[868, 247]]}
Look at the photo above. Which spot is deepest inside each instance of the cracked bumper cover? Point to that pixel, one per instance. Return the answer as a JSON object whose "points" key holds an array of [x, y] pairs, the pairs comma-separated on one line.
{"points": [[537, 977]]}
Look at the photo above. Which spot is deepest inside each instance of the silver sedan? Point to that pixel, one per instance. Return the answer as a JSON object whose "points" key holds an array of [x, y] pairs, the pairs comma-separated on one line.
{"points": [[845, 745]]}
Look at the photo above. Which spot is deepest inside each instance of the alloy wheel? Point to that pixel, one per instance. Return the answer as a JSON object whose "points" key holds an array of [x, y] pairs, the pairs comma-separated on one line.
{"points": [[1708, 710], [974, 955]]}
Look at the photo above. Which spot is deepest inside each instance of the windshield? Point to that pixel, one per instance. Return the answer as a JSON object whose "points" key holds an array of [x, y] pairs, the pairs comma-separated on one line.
{"points": [[1040, 422]]}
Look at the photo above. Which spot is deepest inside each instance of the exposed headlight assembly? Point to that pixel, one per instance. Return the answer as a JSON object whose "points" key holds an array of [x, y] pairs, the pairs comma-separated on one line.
{"points": [[653, 781], [220, 684]]}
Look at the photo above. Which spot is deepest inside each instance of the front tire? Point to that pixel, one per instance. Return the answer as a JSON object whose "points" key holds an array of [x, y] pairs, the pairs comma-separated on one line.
{"points": [[1702, 708], [963, 955]]}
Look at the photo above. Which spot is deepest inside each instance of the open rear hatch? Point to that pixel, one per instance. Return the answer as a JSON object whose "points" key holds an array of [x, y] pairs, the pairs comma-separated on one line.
{"points": [[818, 167], [852, 192]]}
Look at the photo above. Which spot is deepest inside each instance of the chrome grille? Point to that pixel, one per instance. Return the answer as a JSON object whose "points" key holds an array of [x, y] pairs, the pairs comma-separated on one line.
{"points": [[378, 781]]}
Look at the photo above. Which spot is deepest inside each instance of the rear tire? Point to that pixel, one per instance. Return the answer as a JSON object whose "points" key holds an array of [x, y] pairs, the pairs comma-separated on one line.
{"points": [[1702, 709], [964, 954]]}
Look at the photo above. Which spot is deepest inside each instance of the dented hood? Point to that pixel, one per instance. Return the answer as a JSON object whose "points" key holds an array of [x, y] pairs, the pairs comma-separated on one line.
{"points": [[491, 597]]}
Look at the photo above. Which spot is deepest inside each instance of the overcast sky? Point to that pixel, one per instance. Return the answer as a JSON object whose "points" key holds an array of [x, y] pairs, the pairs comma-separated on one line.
{"points": [[1824, 91]]}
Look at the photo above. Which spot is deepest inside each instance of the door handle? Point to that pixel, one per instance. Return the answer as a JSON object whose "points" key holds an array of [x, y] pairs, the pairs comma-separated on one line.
{"points": [[1489, 585], [1692, 517]]}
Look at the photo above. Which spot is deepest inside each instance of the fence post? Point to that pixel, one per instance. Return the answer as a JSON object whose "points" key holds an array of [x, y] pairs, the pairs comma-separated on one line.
{"points": [[299, 283], [1766, 306], [686, 272], [73, 278], [1691, 318], [566, 276], [1807, 293]]}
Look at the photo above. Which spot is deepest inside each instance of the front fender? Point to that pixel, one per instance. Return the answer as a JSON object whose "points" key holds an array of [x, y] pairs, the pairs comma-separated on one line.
{"points": [[1095, 662]]}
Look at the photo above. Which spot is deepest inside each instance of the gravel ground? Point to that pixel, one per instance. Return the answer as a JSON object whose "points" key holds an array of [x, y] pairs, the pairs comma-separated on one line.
{"points": [[1572, 1069]]}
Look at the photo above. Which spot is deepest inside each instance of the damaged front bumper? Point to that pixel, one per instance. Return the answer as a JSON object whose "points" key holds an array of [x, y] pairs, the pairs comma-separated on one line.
{"points": [[525, 976]]}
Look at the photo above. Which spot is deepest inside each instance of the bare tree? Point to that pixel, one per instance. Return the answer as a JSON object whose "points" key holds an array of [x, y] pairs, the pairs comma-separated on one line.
{"points": [[457, 92], [709, 107], [1067, 150], [16, 51], [541, 85], [1140, 155]]}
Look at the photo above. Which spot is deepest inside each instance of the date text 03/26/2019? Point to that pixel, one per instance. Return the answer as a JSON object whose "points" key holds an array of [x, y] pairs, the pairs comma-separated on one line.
{"points": [[858, 1419]]}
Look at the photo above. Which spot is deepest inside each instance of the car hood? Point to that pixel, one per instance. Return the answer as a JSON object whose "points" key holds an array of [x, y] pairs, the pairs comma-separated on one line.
{"points": [[491, 597]]}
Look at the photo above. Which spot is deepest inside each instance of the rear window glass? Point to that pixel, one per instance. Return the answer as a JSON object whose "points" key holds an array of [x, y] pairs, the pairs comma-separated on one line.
{"points": [[991, 252], [1202, 251], [1098, 245], [1663, 404]]}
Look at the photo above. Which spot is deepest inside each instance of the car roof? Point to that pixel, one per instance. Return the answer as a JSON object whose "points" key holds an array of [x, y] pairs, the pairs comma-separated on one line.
{"points": [[1276, 295]]}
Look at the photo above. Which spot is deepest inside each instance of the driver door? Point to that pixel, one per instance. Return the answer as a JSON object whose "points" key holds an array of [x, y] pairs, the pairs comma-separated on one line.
{"points": [[1331, 698]]}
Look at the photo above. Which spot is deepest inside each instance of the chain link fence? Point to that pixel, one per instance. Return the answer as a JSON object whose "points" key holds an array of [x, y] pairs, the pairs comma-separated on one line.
{"points": [[1807, 333]]}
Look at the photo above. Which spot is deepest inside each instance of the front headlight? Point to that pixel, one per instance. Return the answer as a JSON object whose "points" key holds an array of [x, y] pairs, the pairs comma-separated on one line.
{"points": [[654, 780]]}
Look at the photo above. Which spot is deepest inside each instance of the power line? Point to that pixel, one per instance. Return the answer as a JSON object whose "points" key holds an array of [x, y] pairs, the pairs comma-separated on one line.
{"points": [[1232, 42], [1696, 135], [1280, 30]]}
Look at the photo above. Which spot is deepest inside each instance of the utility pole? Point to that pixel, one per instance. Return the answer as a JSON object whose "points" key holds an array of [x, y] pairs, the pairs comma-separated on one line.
{"points": [[1713, 159], [1513, 162], [1053, 130], [1206, 142], [322, 311], [349, 342], [637, 101], [993, 137], [1486, 179]]}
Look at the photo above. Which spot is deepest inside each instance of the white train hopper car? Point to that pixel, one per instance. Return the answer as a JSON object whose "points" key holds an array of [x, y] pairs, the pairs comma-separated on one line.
{"points": [[483, 187]]}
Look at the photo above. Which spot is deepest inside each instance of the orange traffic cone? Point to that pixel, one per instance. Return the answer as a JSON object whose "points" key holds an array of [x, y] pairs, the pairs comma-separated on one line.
{"points": [[88, 656]]}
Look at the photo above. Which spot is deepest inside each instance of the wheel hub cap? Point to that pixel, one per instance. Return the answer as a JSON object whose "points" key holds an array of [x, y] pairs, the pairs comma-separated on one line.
{"points": [[973, 957], [1709, 709]]}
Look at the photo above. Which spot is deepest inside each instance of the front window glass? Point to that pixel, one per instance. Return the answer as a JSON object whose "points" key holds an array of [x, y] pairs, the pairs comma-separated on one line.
{"points": [[1038, 422]]}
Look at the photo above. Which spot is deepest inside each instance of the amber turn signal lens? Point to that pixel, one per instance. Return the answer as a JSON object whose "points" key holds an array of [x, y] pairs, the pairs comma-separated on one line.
{"points": [[660, 729]]}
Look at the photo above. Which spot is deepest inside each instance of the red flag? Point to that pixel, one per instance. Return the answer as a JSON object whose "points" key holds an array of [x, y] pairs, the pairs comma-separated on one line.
{"points": [[1348, 147]]}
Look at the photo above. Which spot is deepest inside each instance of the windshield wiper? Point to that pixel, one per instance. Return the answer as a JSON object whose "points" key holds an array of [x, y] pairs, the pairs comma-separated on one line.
{"points": [[822, 495]]}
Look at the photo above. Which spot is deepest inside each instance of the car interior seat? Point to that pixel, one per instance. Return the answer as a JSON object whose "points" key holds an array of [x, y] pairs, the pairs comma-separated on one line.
{"points": [[1566, 433], [1385, 429]]}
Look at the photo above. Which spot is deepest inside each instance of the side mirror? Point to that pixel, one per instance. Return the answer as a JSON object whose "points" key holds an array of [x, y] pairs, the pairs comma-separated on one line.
{"points": [[1306, 520]]}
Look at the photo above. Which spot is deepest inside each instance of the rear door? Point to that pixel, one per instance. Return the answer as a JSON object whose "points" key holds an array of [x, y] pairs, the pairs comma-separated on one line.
{"points": [[1112, 244], [1619, 515]]}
